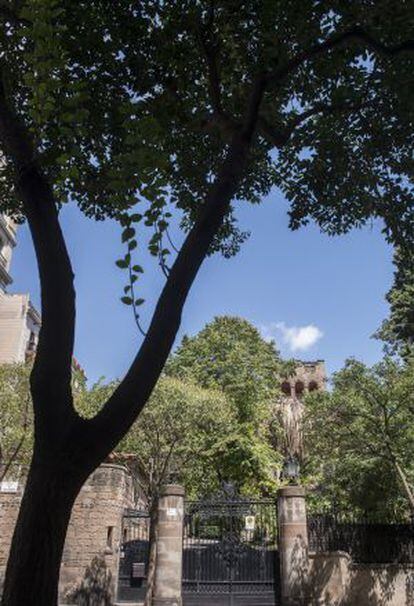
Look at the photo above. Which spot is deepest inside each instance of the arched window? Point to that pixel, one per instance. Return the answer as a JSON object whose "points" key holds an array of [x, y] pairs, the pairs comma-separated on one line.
{"points": [[299, 389], [286, 389], [313, 386]]}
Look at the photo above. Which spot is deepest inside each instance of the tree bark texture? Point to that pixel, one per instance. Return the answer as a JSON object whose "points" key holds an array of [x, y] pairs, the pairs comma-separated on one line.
{"points": [[33, 567]]}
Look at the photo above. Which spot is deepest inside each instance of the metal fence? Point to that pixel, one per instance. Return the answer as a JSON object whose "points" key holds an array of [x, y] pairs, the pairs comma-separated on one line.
{"points": [[365, 539]]}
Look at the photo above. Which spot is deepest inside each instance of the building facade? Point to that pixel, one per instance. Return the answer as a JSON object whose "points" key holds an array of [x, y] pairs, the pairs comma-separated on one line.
{"points": [[19, 319], [7, 243]]}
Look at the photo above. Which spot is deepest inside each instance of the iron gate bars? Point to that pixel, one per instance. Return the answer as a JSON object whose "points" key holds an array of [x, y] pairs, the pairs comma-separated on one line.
{"points": [[230, 550]]}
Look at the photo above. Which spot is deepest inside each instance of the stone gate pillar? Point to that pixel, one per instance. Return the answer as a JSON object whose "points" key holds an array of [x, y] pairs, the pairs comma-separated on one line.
{"points": [[167, 590], [293, 546]]}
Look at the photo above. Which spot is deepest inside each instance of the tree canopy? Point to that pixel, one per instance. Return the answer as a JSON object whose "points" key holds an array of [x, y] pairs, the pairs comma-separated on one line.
{"points": [[125, 99], [229, 354], [185, 434], [359, 439], [397, 331]]}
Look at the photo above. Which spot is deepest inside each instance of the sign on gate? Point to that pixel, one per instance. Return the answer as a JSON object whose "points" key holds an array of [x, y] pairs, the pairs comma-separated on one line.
{"points": [[249, 522], [230, 552]]}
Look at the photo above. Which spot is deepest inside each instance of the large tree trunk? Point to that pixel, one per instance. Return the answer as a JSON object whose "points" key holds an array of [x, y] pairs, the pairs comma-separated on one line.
{"points": [[33, 568]]}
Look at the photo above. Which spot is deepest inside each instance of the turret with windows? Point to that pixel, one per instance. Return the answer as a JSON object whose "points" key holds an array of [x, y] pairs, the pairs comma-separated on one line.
{"points": [[308, 377]]}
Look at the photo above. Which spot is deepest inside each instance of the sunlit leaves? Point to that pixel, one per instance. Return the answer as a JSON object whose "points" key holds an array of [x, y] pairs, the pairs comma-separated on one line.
{"points": [[230, 354], [355, 433], [398, 330], [184, 432]]}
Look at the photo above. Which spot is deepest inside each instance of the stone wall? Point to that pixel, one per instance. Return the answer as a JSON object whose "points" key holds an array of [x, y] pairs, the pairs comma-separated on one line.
{"points": [[94, 533], [329, 577], [9, 509], [336, 581], [381, 584]]}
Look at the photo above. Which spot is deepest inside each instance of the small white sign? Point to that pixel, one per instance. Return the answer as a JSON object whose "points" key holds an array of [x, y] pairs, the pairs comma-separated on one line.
{"points": [[249, 523], [172, 512], [9, 486]]}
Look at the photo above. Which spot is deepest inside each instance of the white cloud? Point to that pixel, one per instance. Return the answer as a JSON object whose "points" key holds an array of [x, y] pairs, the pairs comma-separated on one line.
{"points": [[297, 338]]}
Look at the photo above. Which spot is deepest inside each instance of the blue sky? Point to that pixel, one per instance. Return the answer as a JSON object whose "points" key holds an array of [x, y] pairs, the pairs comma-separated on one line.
{"points": [[320, 297]]}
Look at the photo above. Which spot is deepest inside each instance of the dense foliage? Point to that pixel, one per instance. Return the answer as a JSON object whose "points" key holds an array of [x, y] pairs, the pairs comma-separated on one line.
{"points": [[230, 354], [185, 434], [16, 418], [137, 102], [398, 330], [360, 439]]}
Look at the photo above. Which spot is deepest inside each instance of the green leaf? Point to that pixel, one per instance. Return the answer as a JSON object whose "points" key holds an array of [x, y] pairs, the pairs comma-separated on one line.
{"points": [[127, 300], [128, 234], [137, 269], [139, 301], [124, 220], [121, 263]]}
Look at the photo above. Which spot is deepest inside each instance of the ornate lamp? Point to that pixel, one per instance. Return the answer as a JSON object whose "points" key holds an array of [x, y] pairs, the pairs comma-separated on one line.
{"points": [[291, 469]]}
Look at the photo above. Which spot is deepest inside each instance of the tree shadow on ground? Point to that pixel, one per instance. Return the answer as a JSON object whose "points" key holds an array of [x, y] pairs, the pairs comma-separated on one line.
{"points": [[95, 588]]}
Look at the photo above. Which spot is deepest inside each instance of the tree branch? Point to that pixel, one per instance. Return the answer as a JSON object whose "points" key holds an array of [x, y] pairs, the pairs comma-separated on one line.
{"points": [[127, 401], [280, 136], [219, 117], [212, 71], [51, 375], [355, 34]]}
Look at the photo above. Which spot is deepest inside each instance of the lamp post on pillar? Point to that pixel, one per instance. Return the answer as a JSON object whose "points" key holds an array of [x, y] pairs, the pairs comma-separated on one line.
{"points": [[293, 546]]}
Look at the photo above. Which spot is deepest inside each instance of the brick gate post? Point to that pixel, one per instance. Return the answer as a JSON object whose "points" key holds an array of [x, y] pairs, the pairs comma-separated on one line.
{"points": [[293, 546], [168, 572]]}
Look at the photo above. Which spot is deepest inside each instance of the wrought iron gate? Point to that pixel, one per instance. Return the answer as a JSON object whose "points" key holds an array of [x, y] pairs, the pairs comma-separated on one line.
{"points": [[230, 552], [134, 556]]}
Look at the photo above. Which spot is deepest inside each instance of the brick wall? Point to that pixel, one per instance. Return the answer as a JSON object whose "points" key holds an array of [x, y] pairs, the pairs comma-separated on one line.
{"points": [[95, 529]]}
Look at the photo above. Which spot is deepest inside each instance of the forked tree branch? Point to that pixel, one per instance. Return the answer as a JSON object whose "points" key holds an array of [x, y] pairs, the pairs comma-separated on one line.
{"points": [[355, 34], [280, 135], [127, 401]]}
